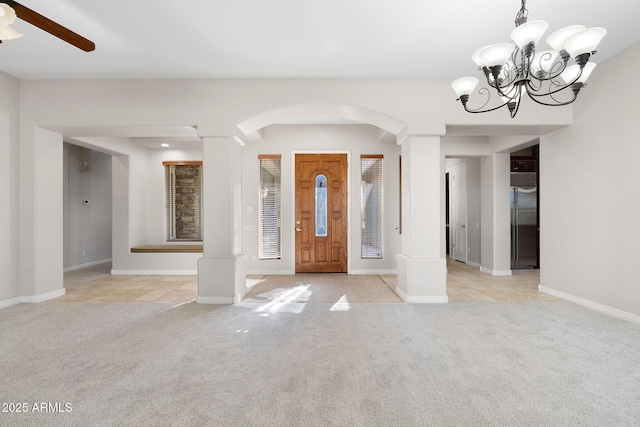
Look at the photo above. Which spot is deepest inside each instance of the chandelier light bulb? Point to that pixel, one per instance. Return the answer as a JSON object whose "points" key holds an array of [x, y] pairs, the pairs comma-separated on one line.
{"points": [[476, 57], [556, 39], [585, 41], [530, 32], [572, 72], [543, 61], [465, 85], [496, 54]]}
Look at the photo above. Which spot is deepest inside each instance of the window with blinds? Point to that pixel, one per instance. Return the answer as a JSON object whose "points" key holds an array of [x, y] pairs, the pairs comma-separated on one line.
{"points": [[371, 207], [270, 212], [183, 187]]}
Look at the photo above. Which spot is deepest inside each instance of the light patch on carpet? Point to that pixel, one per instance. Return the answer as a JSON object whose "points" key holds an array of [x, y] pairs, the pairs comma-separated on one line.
{"points": [[341, 305], [291, 300]]}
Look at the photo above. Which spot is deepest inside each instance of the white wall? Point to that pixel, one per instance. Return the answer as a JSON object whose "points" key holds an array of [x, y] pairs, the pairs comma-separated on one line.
{"points": [[217, 106], [589, 192], [77, 108], [9, 190], [287, 139], [87, 228]]}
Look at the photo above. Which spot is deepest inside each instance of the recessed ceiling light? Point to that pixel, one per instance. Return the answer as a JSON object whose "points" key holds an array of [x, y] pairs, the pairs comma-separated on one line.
{"points": [[165, 145]]}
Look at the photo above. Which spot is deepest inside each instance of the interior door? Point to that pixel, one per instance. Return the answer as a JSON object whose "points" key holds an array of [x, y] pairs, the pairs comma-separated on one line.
{"points": [[459, 199], [321, 213]]}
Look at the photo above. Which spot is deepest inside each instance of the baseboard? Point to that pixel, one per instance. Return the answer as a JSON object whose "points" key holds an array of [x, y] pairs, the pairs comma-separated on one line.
{"points": [[270, 272], [497, 273], [473, 264], [86, 265], [44, 297], [10, 302], [238, 298], [372, 272], [611, 311], [215, 300], [154, 272], [421, 300]]}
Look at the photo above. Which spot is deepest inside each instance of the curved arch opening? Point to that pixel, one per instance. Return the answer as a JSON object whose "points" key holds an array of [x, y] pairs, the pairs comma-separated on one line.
{"points": [[320, 113]]}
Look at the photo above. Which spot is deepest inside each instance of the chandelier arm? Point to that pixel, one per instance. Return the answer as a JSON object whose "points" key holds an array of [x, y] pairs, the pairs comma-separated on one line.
{"points": [[484, 111], [558, 90], [480, 109], [532, 87], [557, 104], [553, 74]]}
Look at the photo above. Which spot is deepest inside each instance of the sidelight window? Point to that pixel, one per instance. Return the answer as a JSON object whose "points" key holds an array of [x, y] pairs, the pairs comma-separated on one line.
{"points": [[270, 207], [371, 207]]}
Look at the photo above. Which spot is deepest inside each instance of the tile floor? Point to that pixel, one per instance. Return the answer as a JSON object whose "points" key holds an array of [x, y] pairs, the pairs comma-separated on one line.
{"points": [[468, 284], [464, 284], [95, 284]]}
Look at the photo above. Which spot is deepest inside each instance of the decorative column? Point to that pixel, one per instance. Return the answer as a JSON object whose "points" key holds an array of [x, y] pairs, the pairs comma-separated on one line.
{"points": [[422, 268], [221, 270], [495, 256], [41, 216]]}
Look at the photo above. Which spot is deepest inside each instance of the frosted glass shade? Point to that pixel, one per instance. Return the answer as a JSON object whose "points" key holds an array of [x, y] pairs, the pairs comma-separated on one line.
{"points": [[570, 73], [543, 61], [7, 15], [585, 41], [496, 54], [464, 85], [7, 33], [531, 31], [476, 57], [556, 39]]}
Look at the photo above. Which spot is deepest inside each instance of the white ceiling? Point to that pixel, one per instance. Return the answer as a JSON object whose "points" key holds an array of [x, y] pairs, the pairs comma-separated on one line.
{"points": [[290, 38]]}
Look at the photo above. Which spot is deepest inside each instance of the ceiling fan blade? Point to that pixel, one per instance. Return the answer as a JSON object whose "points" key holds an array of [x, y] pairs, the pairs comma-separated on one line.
{"points": [[46, 24]]}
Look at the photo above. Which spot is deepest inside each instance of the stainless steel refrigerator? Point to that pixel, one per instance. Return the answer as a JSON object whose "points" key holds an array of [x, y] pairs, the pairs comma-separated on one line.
{"points": [[524, 220]]}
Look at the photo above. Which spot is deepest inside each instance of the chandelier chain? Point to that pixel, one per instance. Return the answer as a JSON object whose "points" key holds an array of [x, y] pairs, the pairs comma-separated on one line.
{"points": [[522, 15]]}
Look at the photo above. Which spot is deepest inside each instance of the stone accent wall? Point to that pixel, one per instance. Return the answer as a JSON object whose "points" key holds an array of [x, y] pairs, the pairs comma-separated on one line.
{"points": [[188, 196]]}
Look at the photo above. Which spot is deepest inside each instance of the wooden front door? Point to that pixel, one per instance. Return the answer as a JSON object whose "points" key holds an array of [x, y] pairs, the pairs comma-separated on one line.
{"points": [[321, 213]]}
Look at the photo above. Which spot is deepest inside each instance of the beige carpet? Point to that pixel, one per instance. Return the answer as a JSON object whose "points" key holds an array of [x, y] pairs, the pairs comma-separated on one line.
{"points": [[479, 364]]}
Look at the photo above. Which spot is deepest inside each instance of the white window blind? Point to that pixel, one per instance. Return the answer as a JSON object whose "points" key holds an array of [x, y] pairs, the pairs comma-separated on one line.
{"points": [[371, 207], [270, 209], [183, 186]]}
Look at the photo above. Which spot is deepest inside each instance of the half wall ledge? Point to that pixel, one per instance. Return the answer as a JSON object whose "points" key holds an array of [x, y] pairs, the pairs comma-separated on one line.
{"points": [[151, 249]]}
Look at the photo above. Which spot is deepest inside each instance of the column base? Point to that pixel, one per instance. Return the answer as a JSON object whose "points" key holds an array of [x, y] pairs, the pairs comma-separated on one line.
{"points": [[422, 280], [497, 273], [221, 280]]}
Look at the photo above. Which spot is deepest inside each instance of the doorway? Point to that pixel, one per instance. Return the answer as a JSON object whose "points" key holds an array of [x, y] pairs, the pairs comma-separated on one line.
{"points": [[321, 213], [525, 215], [458, 223]]}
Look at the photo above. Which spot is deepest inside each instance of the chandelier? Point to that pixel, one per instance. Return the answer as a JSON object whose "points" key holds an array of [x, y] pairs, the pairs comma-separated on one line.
{"points": [[516, 68]]}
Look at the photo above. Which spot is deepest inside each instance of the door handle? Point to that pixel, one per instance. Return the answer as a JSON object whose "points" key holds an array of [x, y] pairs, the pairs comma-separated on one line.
{"points": [[298, 229]]}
